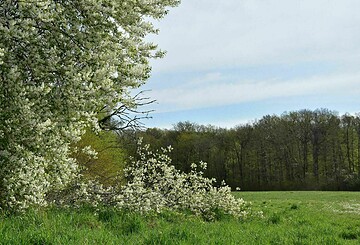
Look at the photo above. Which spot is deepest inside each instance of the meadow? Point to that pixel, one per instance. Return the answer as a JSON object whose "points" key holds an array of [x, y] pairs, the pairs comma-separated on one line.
{"points": [[288, 218]]}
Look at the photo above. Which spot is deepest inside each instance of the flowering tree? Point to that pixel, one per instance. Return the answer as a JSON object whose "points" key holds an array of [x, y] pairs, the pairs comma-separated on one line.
{"points": [[64, 65]]}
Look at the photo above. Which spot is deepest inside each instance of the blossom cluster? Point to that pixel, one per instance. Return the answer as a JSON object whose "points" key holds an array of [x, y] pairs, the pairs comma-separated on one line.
{"points": [[155, 184]]}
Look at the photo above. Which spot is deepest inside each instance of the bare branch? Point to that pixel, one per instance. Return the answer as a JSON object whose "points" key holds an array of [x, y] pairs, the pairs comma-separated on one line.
{"points": [[125, 116]]}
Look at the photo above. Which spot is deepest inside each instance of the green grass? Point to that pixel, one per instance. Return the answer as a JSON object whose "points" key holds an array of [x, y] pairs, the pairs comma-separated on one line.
{"points": [[306, 217], [289, 218]]}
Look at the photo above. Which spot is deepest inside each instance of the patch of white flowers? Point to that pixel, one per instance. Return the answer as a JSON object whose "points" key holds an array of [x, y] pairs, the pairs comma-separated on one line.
{"points": [[155, 185], [57, 66], [1, 55]]}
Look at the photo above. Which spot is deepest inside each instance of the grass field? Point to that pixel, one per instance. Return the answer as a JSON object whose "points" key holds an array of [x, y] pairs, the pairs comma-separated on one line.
{"points": [[289, 218]]}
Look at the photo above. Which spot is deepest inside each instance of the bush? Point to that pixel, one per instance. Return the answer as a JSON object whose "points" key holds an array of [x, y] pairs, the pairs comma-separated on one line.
{"points": [[154, 185]]}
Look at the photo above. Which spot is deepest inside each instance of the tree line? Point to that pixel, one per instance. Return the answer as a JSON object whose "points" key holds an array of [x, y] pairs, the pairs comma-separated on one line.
{"points": [[300, 150]]}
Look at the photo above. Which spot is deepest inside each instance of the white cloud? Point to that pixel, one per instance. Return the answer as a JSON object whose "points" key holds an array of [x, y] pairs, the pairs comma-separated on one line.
{"points": [[191, 96], [204, 34], [312, 44]]}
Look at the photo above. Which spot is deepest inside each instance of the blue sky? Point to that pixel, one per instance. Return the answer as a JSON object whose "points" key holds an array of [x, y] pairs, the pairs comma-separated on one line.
{"points": [[230, 62]]}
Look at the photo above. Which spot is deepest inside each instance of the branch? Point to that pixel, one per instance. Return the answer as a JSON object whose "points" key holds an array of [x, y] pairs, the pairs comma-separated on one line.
{"points": [[125, 116]]}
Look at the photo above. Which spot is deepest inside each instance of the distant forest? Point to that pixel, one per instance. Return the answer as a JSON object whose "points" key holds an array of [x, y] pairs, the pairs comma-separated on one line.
{"points": [[301, 150]]}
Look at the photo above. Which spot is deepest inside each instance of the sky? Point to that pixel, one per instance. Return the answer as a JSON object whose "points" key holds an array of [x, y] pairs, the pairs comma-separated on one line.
{"points": [[230, 62]]}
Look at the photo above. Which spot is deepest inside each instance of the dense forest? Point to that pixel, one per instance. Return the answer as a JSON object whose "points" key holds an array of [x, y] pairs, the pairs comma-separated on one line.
{"points": [[301, 150]]}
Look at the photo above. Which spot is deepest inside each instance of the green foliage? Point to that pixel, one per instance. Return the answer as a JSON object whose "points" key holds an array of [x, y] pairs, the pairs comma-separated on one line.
{"points": [[109, 161], [301, 150]]}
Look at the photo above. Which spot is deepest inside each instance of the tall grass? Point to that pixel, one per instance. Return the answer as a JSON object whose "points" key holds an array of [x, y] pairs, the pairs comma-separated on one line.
{"points": [[289, 218]]}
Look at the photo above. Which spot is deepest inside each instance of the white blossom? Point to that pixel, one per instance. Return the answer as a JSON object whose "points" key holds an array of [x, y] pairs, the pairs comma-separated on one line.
{"points": [[57, 66], [154, 185]]}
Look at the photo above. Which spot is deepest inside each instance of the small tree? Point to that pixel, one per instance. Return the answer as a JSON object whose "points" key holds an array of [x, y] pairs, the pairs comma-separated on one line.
{"points": [[63, 64]]}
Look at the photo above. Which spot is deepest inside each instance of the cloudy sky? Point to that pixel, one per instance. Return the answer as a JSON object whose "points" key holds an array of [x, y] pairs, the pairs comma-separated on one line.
{"points": [[232, 61]]}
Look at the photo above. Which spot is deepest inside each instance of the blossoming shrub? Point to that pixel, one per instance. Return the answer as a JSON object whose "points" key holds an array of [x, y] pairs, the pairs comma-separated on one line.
{"points": [[154, 185]]}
